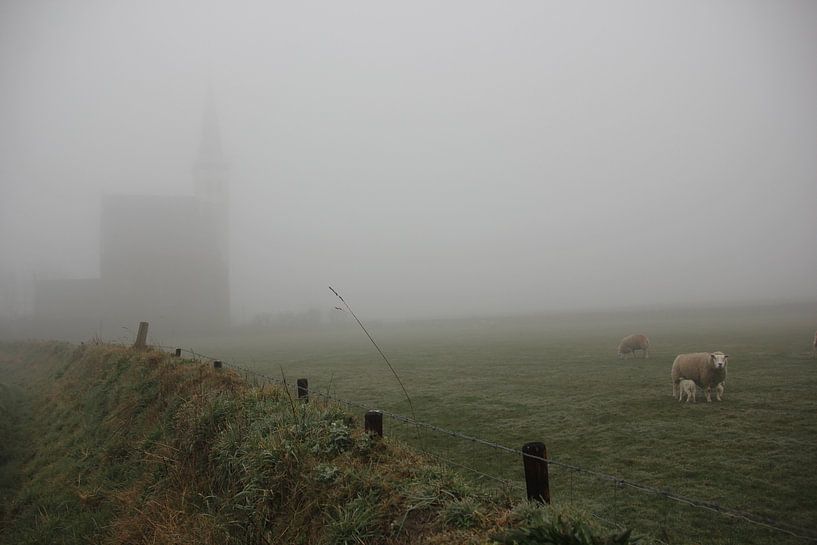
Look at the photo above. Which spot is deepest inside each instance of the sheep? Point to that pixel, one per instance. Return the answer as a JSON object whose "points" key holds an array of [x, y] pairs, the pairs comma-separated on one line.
{"points": [[631, 343], [706, 369], [688, 387]]}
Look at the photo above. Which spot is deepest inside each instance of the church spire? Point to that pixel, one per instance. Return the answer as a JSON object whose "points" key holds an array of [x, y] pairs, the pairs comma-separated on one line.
{"points": [[210, 143], [210, 176], [210, 167]]}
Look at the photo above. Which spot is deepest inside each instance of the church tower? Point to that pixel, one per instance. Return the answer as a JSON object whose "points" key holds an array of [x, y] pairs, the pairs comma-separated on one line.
{"points": [[163, 259], [210, 173], [210, 184]]}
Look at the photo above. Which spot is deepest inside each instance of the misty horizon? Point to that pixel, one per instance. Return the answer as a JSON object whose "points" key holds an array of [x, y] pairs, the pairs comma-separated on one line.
{"points": [[427, 161]]}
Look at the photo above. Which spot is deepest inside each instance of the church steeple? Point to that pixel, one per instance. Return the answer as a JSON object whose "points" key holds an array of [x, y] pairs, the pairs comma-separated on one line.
{"points": [[210, 177], [210, 143], [210, 167]]}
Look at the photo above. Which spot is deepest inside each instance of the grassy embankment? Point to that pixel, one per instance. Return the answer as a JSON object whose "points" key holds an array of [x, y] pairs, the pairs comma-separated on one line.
{"points": [[102, 444]]}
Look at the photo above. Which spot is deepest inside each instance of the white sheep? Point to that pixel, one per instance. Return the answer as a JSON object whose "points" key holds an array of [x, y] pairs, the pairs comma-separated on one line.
{"points": [[631, 343], [706, 369], [688, 387]]}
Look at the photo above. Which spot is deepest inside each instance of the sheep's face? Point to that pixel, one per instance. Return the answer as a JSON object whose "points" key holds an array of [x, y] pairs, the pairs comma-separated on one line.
{"points": [[718, 359]]}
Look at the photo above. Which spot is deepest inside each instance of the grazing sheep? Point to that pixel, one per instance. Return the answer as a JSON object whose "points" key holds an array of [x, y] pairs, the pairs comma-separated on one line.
{"points": [[688, 387], [631, 343], [706, 369]]}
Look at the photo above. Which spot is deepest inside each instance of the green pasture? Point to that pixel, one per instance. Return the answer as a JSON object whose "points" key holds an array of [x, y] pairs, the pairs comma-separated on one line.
{"points": [[556, 379]]}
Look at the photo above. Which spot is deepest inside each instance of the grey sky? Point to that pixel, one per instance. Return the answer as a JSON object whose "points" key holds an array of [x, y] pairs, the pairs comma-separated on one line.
{"points": [[430, 158]]}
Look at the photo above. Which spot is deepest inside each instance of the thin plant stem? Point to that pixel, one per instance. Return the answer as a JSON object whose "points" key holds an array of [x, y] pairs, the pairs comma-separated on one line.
{"points": [[394, 372]]}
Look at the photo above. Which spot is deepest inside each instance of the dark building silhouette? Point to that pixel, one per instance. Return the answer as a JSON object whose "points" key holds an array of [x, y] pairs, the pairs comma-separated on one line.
{"points": [[164, 260]]}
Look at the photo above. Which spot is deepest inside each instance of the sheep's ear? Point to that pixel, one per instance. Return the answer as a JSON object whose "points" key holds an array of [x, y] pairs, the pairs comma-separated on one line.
{"points": [[711, 356]]}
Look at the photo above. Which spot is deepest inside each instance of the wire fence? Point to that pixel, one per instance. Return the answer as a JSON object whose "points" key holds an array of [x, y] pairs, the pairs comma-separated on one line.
{"points": [[663, 516]]}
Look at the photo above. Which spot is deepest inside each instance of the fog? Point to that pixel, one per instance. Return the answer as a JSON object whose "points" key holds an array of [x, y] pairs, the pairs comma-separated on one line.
{"points": [[425, 159]]}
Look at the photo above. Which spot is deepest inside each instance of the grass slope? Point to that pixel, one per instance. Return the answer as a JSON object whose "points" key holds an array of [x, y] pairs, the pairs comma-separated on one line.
{"points": [[106, 445]]}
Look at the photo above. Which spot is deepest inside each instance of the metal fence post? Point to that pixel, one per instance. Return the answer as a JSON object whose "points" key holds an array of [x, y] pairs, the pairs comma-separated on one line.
{"points": [[536, 471], [178, 353]]}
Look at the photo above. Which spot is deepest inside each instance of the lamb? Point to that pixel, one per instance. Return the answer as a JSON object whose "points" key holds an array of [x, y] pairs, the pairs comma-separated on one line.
{"points": [[631, 343], [704, 368], [688, 387]]}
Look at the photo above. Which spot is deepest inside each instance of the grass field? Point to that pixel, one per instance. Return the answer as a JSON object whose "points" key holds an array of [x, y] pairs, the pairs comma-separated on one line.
{"points": [[556, 379]]}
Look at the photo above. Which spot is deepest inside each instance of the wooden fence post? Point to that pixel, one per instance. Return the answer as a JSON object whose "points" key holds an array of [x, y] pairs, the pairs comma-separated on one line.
{"points": [[536, 471], [373, 423], [178, 353], [216, 364], [141, 336], [303, 390]]}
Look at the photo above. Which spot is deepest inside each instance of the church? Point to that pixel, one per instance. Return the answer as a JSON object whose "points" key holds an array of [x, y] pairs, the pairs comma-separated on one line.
{"points": [[164, 260]]}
